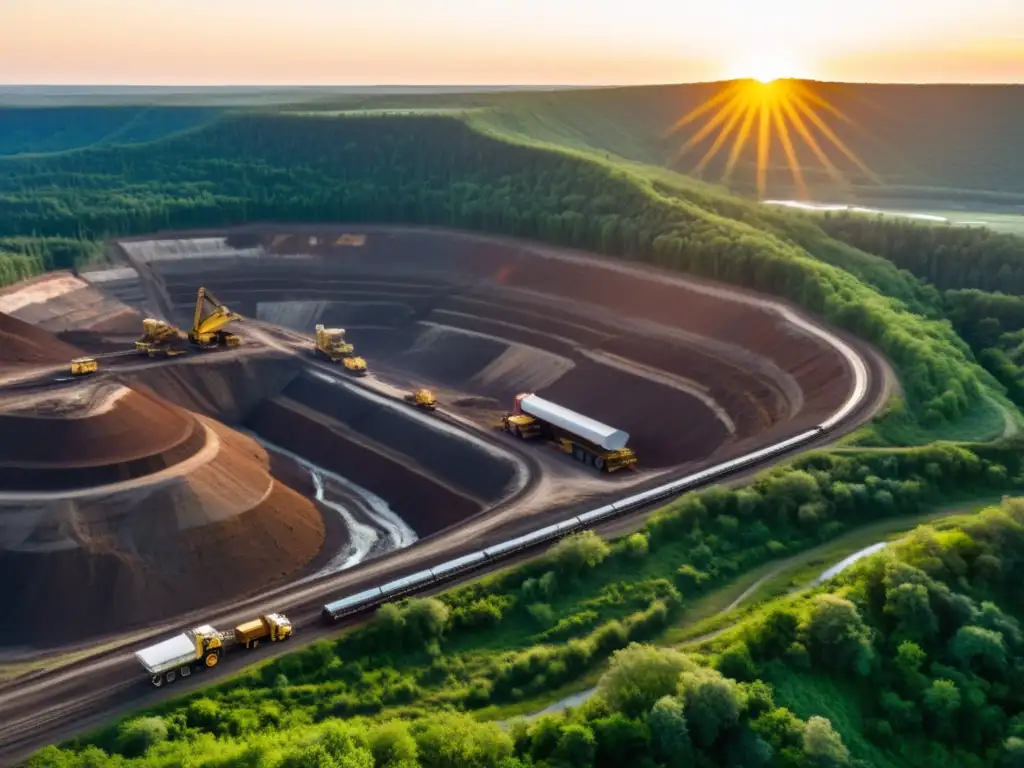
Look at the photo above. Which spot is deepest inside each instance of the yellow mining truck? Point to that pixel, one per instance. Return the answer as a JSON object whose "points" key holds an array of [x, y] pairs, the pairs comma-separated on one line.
{"points": [[331, 345], [273, 627], [82, 366], [203, 646], [588, 441], [160, 339], [422, 398]]}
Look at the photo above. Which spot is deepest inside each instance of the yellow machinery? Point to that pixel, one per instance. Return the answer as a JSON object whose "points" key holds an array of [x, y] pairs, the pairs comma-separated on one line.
{"points": [[355, 365], [422, 398], [331, 345], [273, 626], [207, 326], [82, 366], [160, 339]]}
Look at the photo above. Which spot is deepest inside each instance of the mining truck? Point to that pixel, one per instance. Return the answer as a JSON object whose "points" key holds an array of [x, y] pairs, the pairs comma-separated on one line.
{"points": [[588, 441], [422, 398], [203, 646], [331, 345], [160, 339]]}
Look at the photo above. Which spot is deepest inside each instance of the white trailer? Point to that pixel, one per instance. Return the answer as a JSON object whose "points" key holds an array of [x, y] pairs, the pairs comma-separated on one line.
{"points": [[178, 655], [588, 440]]}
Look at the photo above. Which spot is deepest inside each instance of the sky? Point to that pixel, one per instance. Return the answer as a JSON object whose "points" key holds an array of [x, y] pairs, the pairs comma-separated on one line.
{"points": [[488, 42]]}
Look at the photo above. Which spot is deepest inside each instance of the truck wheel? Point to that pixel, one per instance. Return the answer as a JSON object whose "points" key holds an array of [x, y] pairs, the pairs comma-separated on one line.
{"points": [[599, 462], [170, 676], [255, 644], [212, 659], [579, 455], [157, 680], [185, 671]]}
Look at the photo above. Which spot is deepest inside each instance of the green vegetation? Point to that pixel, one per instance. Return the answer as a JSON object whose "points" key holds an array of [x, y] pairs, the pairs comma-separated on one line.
{"points": [[438, 170], [535, 627]]}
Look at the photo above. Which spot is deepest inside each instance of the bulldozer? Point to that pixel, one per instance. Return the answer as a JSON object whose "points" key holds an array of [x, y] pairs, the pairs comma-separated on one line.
{"points": [[422, 398], [331, 345], [82, 366], [160, 339], [207, 326]]}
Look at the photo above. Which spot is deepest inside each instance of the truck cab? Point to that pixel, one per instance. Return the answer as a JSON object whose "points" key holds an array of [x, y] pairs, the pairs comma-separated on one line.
{"points": [[273, 626]]}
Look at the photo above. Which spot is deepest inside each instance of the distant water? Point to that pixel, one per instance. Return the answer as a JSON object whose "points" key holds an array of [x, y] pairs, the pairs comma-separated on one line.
{"points": [[812, 206], [846, 562]]}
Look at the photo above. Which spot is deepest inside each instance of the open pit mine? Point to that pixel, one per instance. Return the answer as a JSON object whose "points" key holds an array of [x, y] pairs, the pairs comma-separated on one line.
{"points": [[152, 487]]}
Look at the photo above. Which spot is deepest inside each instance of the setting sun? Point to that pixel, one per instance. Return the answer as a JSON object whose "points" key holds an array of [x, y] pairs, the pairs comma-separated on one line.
{"points": [[766, 67]]}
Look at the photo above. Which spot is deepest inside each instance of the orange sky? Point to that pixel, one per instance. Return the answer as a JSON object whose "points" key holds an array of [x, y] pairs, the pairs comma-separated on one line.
{"points": [[319, 42]]}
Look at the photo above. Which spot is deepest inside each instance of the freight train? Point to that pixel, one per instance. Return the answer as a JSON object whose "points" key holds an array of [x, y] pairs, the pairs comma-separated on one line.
{"points": [[450, 569]]}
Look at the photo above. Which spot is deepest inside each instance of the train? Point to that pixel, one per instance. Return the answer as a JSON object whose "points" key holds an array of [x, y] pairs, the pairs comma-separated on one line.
{"points": [[361, 601]]}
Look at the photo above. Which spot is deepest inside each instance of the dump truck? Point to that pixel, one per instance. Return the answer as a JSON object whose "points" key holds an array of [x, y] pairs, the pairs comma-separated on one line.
{"points": [[202, 647], [160, 339], [207, 330], [82, 366], [422, 398], [330, 344], [588, 441], [273, 626]]}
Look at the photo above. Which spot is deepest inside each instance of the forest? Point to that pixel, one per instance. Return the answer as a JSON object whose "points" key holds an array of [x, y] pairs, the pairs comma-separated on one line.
{"points": [[415, 686], [438, 170]]}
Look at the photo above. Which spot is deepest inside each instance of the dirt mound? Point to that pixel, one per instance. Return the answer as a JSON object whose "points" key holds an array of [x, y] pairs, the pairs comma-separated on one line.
{"points": [[103, 565], [22, 343], [91, 435]]}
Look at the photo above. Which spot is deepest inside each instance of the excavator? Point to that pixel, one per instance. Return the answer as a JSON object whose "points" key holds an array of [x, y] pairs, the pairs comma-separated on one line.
{"points": [[207, 326], [161, 339]]}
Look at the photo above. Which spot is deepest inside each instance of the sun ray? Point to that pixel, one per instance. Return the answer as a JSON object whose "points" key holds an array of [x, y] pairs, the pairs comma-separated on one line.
{"points": [[729, 93], [741, 139], [764, 150], [830, 134], [719, 118], [787, 109], [723, 135], [812, 142], [789, 149]]}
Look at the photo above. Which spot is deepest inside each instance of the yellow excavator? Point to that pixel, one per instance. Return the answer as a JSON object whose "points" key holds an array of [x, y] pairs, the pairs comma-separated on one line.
{"points": [[207, 326], [331, 345]]}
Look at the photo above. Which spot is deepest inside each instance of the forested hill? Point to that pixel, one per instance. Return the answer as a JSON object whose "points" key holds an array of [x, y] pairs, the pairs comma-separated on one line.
{"points": [[950, 142]]}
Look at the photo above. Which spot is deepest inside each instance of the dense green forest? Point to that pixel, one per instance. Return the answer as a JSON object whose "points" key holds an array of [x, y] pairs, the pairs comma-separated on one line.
{"points": [[404, 684], [438, 170]]}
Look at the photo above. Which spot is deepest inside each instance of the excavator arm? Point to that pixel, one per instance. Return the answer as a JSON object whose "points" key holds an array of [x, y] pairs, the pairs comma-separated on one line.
{"points": [[209, 322]]}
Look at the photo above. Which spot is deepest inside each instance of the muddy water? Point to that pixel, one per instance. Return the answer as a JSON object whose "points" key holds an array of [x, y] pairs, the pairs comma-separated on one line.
{"points": [[373, 528]]}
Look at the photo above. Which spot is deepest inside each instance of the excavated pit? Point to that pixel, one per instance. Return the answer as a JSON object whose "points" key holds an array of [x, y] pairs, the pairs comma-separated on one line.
{"points": [[691, 373]]}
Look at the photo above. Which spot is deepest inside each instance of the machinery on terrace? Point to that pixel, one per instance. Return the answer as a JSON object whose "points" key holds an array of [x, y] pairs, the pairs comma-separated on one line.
{"points": [[82, 366], [203, 646], [423, 399], [160, 339], [331, 345], [589, 441], [207, 326]]}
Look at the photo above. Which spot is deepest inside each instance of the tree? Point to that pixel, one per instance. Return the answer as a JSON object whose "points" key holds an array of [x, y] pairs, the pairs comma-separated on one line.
{"points": [[579, 551], [975, 646], [713, 704], [670, 739], [136, 736], [822, 745], [638, 675], [838, 636], [577, 746], [942, 700], [426, 618], [393, 746], [908, 604]]}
